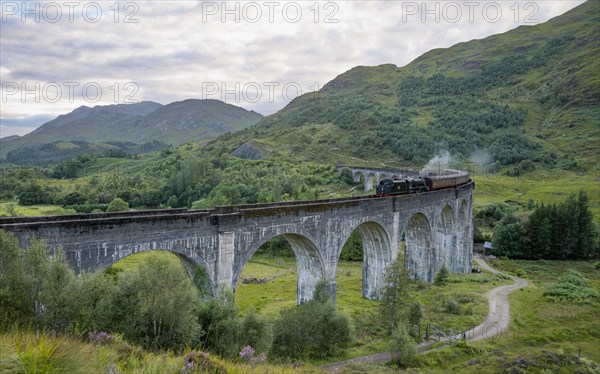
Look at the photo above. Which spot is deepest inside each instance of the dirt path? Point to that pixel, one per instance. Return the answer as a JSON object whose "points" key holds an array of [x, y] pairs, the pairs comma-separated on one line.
{"points": [[495, 323]]}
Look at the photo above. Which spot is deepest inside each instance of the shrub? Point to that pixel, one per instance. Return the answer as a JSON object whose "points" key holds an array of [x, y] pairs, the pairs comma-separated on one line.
{"points": [[571, 287], [254, 331], [313, 329], [220, 323], [403, 347], [441, 278], [452, 307], [520, 272], [117, 205]]}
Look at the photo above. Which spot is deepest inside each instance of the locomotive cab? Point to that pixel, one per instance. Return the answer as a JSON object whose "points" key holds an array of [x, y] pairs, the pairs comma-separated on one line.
{"points": [[417, 185]]}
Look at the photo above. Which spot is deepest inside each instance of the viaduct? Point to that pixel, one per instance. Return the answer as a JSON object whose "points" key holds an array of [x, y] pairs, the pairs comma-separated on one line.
{"points": [[370, 177], [436, 228]]}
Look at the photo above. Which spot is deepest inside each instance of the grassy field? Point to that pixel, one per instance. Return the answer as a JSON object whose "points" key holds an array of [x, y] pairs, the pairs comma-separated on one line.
{"points": [[271, 297], [133, 260], [560, 337], [540, 185], [543, 336], [31, 210]]}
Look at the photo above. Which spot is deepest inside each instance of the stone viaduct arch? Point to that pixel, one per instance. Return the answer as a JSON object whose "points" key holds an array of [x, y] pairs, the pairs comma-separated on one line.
{"points": [[377, 252], [310, 264], [437, 226]]}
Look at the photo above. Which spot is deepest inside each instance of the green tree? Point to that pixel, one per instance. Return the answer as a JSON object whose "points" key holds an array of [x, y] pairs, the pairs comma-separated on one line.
{"points": [[414, 319], [173, 202], [36, 265], [220, 324], [168, 304], [588, 243], [202, 282], [154, 305], [125, 314], [58, 294], [15, 290], [254, 331], [441, 278], [94, 295], [346, 176], [563, 231], [117, 205], [353, 248], [35, 289], [313, 329], [73, 198], [33, 193], [11, 209], [394, 296], [402, 347], [508, 237]]}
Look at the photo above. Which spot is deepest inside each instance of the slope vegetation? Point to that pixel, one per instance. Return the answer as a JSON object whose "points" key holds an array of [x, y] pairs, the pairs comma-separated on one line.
{"points": [[528, 94]]}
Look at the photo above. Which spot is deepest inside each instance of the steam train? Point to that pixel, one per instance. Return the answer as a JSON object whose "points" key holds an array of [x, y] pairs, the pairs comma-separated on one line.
{"points": [[429, 181]]}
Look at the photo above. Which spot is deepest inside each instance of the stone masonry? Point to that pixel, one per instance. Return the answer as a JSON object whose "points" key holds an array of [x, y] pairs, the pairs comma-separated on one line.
{"points": [[436, 228]]}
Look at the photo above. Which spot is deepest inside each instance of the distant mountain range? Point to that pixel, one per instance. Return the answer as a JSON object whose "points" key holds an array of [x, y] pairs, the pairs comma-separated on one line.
{"points": [[174, 123]]}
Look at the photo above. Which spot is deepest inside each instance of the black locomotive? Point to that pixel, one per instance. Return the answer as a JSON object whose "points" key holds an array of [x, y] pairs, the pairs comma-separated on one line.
{"points": [[429, 181], [389, 187]]}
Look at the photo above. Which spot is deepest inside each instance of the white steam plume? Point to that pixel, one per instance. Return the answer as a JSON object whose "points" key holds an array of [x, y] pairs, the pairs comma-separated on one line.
{"points": [[440, 161], [481, 157]]}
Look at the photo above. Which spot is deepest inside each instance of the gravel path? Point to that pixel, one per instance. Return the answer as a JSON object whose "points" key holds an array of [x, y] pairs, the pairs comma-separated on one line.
{"points": [[496, 322]]}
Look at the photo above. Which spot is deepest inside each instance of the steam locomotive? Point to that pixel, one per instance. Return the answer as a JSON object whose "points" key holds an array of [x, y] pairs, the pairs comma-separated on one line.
{"points": [[429, 181]]}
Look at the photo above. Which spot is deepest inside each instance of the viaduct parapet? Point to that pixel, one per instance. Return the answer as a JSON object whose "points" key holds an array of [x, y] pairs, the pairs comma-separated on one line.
{"points": [[433, 228]]}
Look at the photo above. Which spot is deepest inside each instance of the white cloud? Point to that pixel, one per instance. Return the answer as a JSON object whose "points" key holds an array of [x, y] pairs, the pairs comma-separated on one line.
{"points": [[178, 47]]}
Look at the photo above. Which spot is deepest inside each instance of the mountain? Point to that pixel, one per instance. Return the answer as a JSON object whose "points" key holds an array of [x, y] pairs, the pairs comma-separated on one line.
{"points": [[193, 119], [10, 137], [530, 95], [143, 122]]}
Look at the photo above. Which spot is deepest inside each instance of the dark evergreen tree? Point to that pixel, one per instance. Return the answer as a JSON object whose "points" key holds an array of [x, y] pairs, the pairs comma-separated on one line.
{"points": [[564, 231], [587, 245]]}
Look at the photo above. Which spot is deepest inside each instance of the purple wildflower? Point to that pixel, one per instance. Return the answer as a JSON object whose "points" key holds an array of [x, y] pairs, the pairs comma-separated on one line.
{"points": [[102, 337], [247, 353]]}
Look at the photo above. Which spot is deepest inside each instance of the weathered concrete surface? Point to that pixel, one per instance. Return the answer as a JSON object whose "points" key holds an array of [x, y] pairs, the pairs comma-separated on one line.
{"points": [[436, 225]]}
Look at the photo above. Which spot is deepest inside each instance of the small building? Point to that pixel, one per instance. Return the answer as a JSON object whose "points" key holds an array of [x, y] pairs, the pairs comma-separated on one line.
{"points": [[487, 248]]}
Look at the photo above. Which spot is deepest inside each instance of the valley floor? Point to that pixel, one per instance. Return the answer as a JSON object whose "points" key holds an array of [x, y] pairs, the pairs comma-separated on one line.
{"points": [[496, 323]]}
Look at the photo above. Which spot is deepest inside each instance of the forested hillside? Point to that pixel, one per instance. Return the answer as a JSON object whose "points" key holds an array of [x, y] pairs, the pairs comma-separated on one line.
{"points": [[532, 93]]}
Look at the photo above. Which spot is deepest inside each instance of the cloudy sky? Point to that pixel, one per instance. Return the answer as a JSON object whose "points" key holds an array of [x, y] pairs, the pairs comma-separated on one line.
{"points": [[56, 56]]}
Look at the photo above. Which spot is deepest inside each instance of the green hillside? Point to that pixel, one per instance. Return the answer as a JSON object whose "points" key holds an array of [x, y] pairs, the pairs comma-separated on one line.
{"points": [[531, 93]]}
